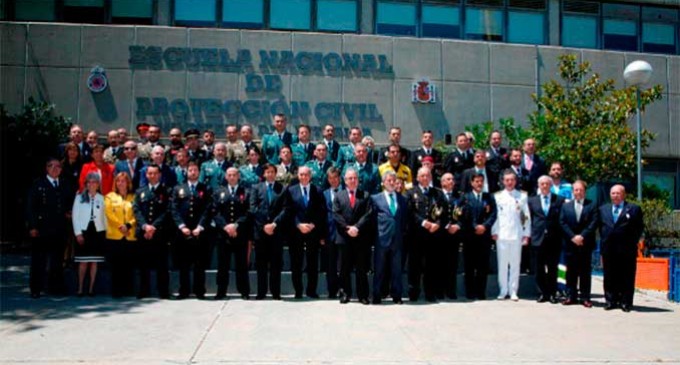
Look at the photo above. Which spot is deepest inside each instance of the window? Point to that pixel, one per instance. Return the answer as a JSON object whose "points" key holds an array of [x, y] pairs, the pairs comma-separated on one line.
{"points": [[396, 18], [336, 15], [526, 27], [619, 27], [247, 14], [441, 21], [290, 14], [580, 24], [658, 29], [84, 11], [131, 11], [34, 10], [195, 12], [484, 24]]}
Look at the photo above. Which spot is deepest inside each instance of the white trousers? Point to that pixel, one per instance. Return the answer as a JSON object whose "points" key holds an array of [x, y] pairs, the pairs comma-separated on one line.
{"points": [[509, 254]]}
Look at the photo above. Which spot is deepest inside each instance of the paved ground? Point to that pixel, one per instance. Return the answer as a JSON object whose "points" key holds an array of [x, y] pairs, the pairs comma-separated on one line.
{"points": [[101, 330]]}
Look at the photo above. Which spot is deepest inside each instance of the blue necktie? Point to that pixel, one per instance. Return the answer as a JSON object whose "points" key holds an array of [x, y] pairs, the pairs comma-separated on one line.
{"points": [[546, 205], [393, 204], [617, 212], [305, 196], [269, 193]]}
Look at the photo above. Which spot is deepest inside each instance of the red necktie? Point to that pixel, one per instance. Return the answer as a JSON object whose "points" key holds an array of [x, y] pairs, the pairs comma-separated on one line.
{"points": [[352, 199]]}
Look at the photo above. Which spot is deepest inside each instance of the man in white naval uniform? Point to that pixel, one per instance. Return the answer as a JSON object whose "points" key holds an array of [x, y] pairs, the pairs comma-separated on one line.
{"points": [[511, 231]]}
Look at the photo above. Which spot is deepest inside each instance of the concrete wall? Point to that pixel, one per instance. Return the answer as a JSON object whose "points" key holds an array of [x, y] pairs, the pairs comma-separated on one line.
{"points": [[475, 81]]}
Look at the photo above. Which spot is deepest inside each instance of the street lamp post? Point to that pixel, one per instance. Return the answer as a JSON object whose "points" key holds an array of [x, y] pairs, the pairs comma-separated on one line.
{"points": [[638, 73]]}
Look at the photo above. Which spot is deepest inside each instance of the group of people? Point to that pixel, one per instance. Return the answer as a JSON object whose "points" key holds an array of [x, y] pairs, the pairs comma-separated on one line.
{"points": [[342, 208]]}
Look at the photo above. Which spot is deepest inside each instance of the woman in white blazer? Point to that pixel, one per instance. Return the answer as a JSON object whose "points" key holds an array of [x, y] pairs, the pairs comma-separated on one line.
{"points": [[89, 227]]}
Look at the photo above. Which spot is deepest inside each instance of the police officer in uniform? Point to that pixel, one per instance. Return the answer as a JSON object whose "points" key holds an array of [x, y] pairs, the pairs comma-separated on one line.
{"points": [[230, 206], [151, 212], [190, 215], [48, 213]]}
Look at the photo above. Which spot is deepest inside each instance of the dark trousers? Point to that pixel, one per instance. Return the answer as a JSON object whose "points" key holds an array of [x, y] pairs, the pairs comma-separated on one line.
{"points": [[450, 248], [332, 270], [226, 248], [619, 276], [192, 254], [422, 264], [304, 247], [476, 251], [545, 259], [49, 249], [269, 262], [121, 262], [579, 266], [354, 254], [153, 255], [386, 257]]}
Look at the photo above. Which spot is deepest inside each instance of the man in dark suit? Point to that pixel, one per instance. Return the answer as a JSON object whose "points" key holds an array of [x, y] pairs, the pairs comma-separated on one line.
{"points": [[333, 147], [352, 215], [481, 168], [332, 267], [151, 212], [390, 210], [319, 165], [479, 216], [425, 240], [131, 165], [452, 233], [395, 138], [427, 149], [461, 159], [534, 164], [231, 208], [193, 146], [308, 215], [578, 220], [48, 211], [267, 208], [76, 136], [621, 227], [496, 156], [168, 175], [190, 213], [369, 177], [515, 163], [546, 239]]}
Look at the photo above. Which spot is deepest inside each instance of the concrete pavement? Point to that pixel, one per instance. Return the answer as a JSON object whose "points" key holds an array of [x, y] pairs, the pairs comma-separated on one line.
{"points": [[102, 330]]}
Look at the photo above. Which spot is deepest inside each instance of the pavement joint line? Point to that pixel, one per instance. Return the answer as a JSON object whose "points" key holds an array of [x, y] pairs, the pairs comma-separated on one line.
{"points": [[207, 332]]}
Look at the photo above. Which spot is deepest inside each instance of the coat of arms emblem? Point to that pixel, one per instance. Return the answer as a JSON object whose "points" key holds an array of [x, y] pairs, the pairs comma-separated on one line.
{"points": [[423, 91]]}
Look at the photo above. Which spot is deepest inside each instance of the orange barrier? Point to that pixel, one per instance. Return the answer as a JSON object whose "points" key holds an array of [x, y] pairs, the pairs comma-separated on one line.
{"points": [[652, 273]]}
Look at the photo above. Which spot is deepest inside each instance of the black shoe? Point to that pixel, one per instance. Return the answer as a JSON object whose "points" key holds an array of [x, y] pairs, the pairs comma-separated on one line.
{"points": [[542, 299], [452, 296], [431, 299], [164, 296], [344, 299], [312, 295], [245, 296], [276, 297], [259, 297], [80, 295], [553, 299], [182, 296], [397, 301], [364, 301], [625, 308], [200, 296], [481, 297], [376, 300], [609, 306], [220, 296], [413, 298]]}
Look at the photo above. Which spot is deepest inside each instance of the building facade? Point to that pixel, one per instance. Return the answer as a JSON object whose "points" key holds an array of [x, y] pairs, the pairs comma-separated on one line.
{"points": [[209, 63]]}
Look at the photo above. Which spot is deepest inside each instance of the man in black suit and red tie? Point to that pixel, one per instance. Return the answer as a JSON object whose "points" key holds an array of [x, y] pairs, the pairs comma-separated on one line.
{"points": [[578, 220], [621, 227], [268, 211], [546, 238], [352, 215], [305, 204]]}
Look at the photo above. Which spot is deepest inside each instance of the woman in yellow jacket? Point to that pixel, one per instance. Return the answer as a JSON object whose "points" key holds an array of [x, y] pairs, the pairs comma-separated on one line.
{"points": [[120, 232]]}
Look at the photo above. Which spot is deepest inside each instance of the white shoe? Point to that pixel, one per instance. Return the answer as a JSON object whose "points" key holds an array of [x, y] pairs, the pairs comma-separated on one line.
{"points": [[514, 297], [501, 297]]}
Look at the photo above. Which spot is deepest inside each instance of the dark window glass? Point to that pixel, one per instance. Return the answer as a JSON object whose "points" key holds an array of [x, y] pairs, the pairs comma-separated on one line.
{"points": [[2, 9], [526, 27], [34, 10], [195, 12], [290, 14], [658, 38], [336, 15], [579, 31], [84, 11], [441, 21], [620, 35], [131, 11], [396, 18], [243, 14], [484, 24]]}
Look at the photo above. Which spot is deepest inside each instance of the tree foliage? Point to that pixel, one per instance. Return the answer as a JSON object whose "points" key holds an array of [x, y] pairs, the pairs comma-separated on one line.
{"points": [[513, 134], [583, 122]]}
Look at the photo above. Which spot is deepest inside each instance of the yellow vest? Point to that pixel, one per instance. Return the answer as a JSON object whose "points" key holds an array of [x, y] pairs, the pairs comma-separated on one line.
{"points": [[403, 172], [119, 212]]}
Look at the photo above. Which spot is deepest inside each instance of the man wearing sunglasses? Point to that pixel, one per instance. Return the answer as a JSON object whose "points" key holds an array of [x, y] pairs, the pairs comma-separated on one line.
{"points": [[131, 164]]}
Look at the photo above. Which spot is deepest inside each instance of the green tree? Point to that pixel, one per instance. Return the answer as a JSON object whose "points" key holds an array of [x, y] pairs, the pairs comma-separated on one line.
{"points": [[513, 134], [583, 122]]}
